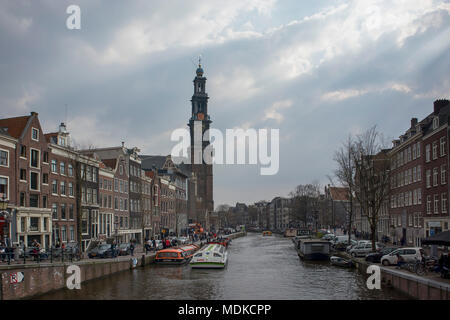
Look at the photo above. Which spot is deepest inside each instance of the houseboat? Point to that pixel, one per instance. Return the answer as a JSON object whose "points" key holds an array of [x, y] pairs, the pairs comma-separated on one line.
{"points": [[176, 255], [313, 249], [290, 232], [212, 256]]}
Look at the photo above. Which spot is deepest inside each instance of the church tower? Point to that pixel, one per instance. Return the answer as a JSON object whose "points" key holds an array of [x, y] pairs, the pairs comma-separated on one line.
{"points": [[198, 124]]}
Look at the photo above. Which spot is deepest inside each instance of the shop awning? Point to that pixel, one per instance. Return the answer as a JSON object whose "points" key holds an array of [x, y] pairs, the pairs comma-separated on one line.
{"points": [[440, 239]]}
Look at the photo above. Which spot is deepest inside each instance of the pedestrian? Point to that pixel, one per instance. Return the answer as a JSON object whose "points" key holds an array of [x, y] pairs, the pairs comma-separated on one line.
{"points": [[132, 248], [113, 249]]}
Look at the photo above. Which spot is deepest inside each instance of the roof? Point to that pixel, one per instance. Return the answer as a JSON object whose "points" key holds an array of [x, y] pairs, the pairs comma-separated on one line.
{"points": [[147, 162], [339, 193], [14, 126], [48, 136], [110, 163]]}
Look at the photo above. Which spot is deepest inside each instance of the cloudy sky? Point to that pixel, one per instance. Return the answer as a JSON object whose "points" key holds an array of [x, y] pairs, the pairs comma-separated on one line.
{"points": [[318, 70]]}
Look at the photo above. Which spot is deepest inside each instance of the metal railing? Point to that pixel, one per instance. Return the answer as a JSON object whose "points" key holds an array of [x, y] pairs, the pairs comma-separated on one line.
{"points": [[34, 256]]}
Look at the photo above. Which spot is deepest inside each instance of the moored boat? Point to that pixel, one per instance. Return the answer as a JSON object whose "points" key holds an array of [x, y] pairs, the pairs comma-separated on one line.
{"points": [[313, 249], [340, 262], [176, 255], [214, 256]]}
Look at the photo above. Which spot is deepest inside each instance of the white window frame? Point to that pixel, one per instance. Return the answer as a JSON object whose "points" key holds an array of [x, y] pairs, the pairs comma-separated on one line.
{"points": [[443, 174], [442, 146], [7, 158], [38, 158], [38, 181], [8, 184], [32, 131], [444, 202]]}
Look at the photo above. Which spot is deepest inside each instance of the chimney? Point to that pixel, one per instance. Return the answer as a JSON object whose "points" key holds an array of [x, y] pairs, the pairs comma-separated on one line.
{"points": [[413, 122], [439, 104], [123, 144], [33, 113]]}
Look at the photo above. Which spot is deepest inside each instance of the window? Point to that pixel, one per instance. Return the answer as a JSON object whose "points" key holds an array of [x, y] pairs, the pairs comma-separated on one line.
{"points": [[44, 201], [70, 189], [100, 183], [45, 178], [72, 233], [443, 143], [4, 157], [89, 173], [23, 174], [116, 203], [414, 174], [89, 195], [22, 199], [45, 227], [54, 167], [125, 204], [427, 153], [34, 181], [45, 157], [436, 203], [415, 197], [83, 194], [435, 176], [419, 196], [84, 222], [429, 204], [55, 211], [116, 185], [62, 168], [82, 171], [428, 178], [23, 151], [54, 187], [419, 173], [435, 123], [94, 174], [435, 148], [121, 169], [409, 154], [34, 223], [4, 187], [410, 220], [70, 170], [414, 151], [63, 233], [34, 200], [62, 186], [35, 134], [418, 149], [63, 211], [443, 174], [444, 203], [71, 213], [34, 161], [94, 196]]}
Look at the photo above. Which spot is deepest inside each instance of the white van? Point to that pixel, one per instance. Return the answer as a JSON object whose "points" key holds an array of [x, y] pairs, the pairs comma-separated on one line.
{"points": [[409, 254]]}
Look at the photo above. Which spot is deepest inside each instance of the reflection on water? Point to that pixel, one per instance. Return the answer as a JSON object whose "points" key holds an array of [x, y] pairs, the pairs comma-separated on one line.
{"points": [[259, 268]]}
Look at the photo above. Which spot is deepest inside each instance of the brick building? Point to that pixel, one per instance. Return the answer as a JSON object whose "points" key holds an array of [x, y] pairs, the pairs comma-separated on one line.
{"points": [[32, 215]]}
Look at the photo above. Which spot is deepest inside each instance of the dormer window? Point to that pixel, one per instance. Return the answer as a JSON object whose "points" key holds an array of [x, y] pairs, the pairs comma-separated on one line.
{"points": [[62, 141], [435, 123], [35, 134]]}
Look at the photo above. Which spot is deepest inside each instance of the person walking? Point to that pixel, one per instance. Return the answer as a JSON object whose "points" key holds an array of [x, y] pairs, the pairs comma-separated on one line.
{"points": [[132, 248], [154, 244]]}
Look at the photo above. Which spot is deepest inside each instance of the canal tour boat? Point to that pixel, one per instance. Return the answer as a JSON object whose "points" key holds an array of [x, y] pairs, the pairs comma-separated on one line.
{"points": [[267, 233], [212, 256], [313, 249], [176, 255]]}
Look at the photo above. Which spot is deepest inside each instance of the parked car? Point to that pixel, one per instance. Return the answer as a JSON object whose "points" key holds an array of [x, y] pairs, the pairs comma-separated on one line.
{"points": [[359, 242], [375, 257], [329, 237], [362, 249], [342, 245], [409, 254], [183, 240], [103, 251], [124, 249]]}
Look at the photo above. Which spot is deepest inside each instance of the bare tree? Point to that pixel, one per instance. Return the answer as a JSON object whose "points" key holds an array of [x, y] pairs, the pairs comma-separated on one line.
{"points": [[304, 200], [345, 176], [371, 176]]}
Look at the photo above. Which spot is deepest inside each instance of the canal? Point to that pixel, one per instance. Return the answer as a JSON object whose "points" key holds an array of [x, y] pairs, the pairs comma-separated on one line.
{"points": [[259, 268]]}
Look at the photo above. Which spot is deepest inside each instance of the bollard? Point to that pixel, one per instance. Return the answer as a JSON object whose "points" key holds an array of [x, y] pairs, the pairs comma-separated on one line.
{"points": [[51, 255]]}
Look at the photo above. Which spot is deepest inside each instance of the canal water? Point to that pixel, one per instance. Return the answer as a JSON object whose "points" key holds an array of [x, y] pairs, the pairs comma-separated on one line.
{"points": [[258, 268]]}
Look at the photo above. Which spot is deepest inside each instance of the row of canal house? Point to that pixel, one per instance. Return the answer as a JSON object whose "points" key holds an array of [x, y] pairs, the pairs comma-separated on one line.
{"points": [[419, 178], [57, 194]]}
